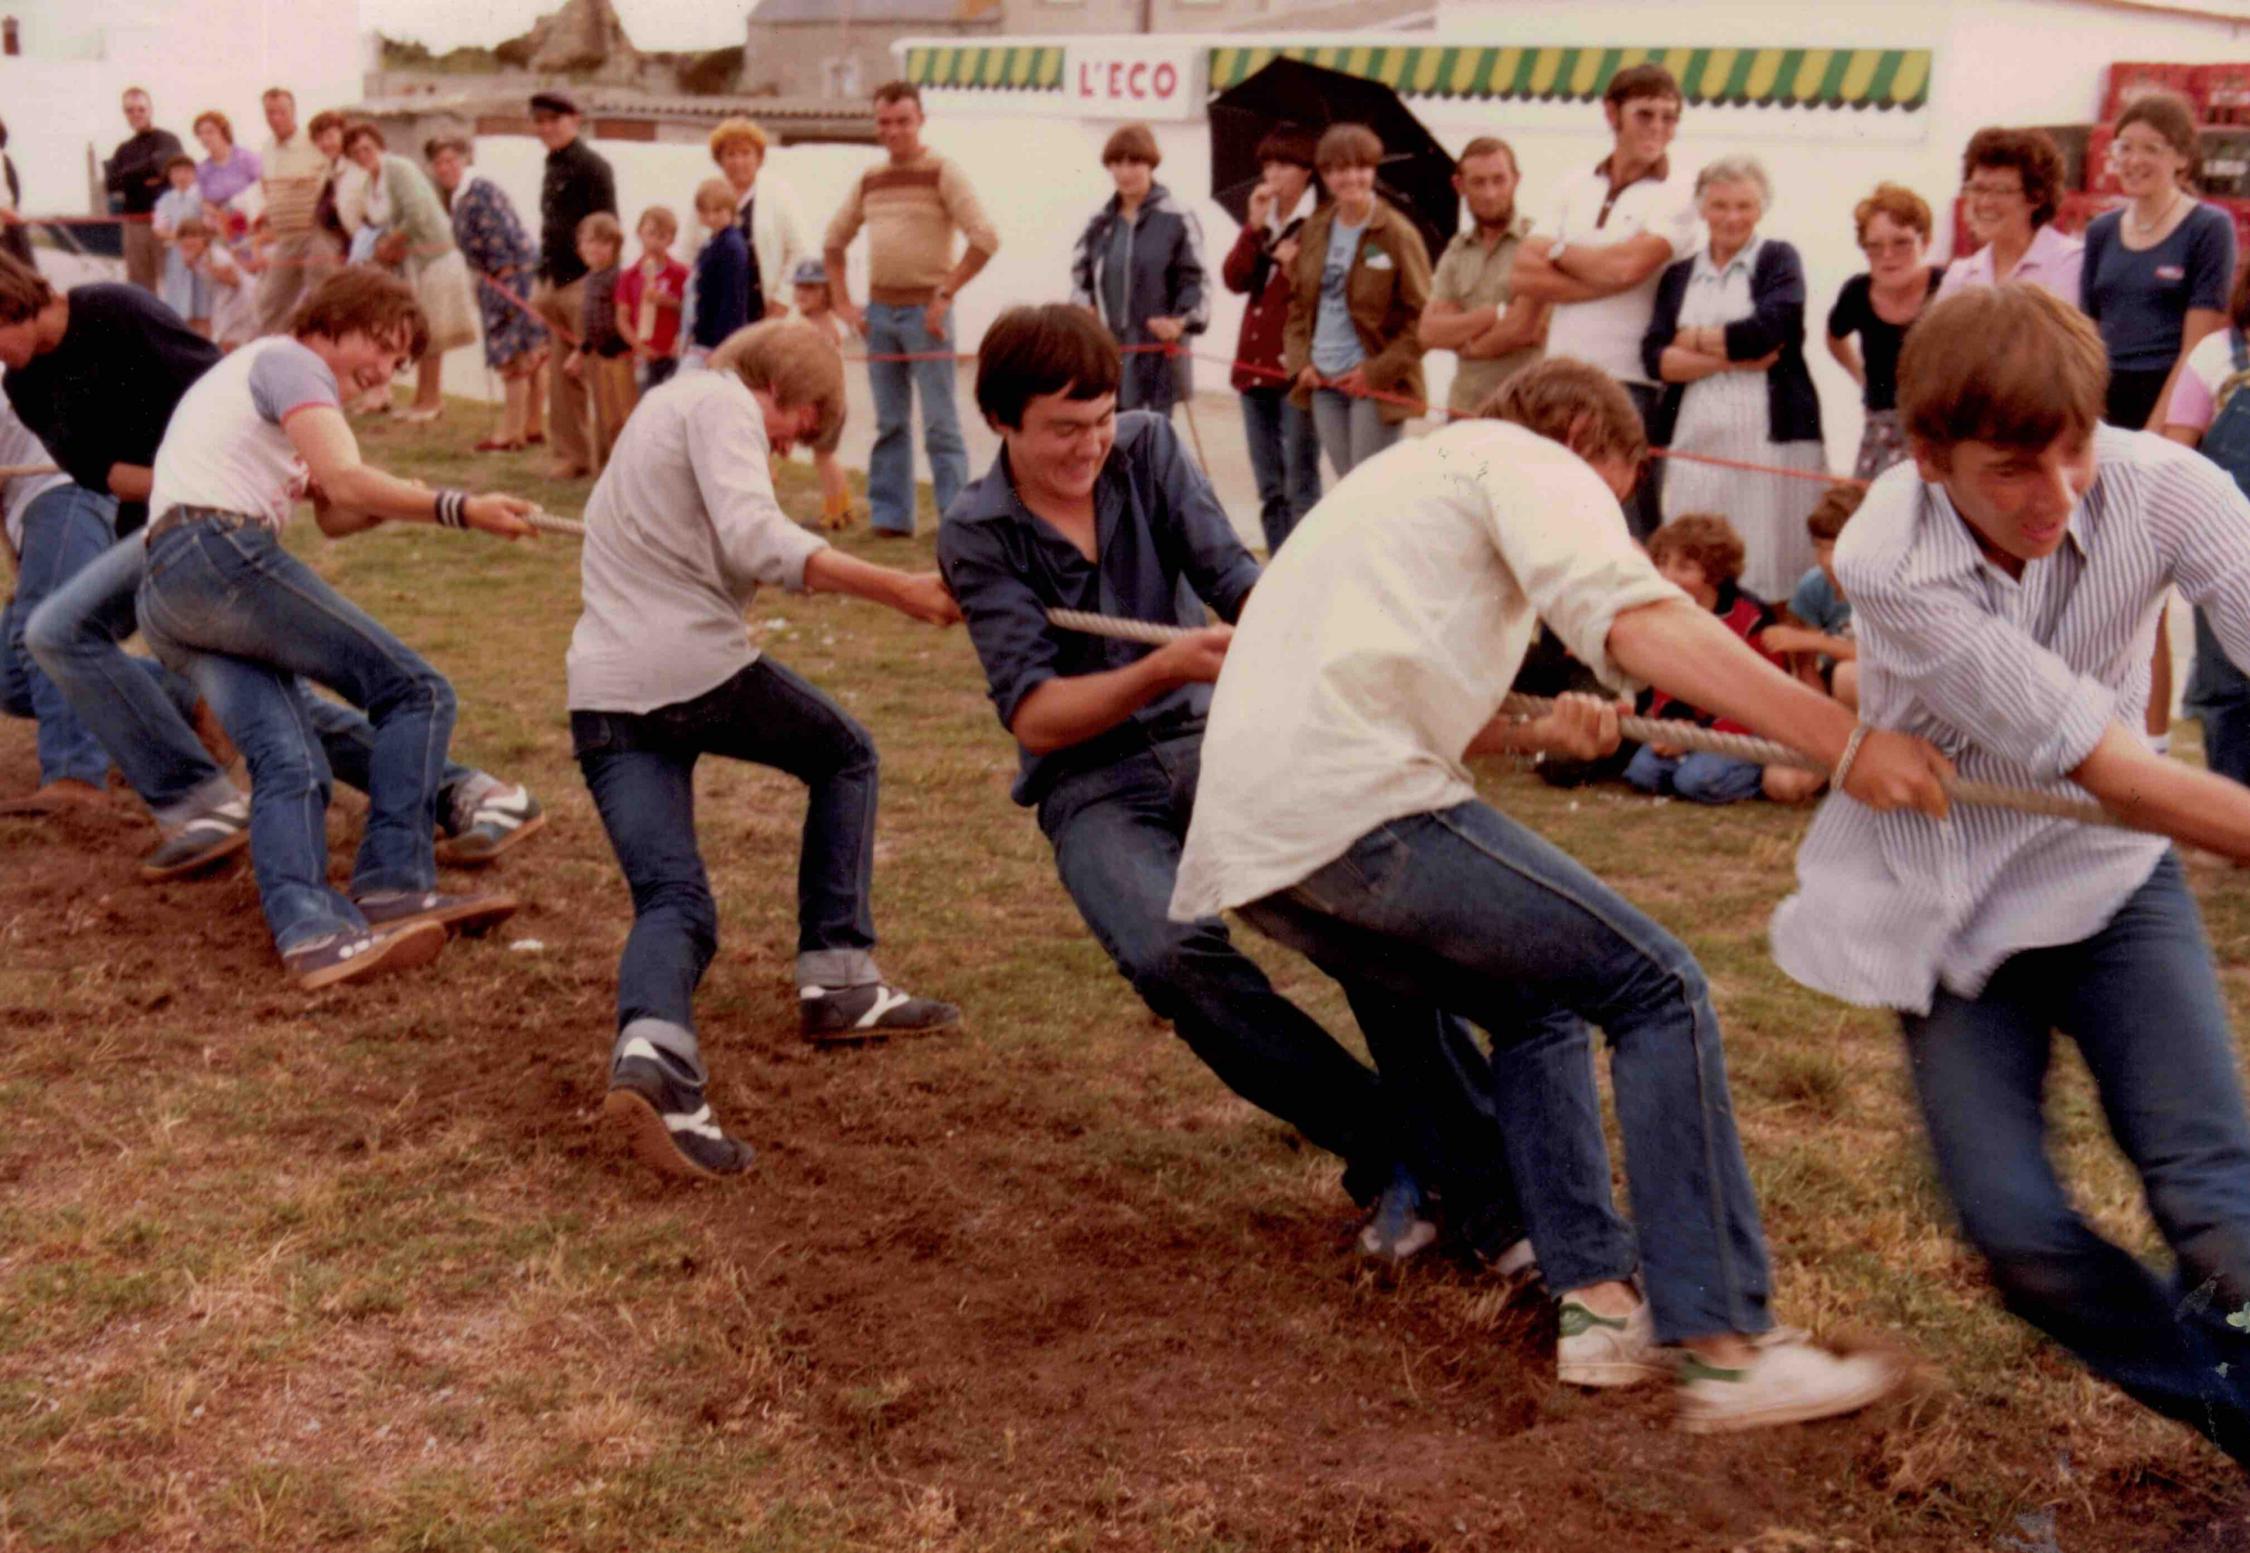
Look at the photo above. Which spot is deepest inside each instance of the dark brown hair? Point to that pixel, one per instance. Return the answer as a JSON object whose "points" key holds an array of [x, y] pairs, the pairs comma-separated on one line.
{"points": [[898, 91], [1488, 145], [1641, 81], [2011, 365], [1348, 145], [364, 131], [1575, 404], [1055, 348], [2030, 155], [365, 300], [1132, 143], [1833, 511], [324, 121], [171, 162], [1704, 538], [1289, 145], [601, 227], [1895, 200], [432, 147], [2170, 116], [23, 291]]}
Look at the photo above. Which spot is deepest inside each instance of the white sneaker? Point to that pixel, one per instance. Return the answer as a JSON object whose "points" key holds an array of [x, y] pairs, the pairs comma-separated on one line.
{"points": [[1598, 1350], [1787, 1383]]}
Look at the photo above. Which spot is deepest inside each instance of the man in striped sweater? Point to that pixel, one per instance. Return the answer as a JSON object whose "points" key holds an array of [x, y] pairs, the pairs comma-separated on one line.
{"points": [[911, 206]]}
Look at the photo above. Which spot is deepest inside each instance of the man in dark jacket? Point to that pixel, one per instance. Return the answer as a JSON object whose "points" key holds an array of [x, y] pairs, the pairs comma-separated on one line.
{"points": [[1110, 732], [134, 177], [1139, 265], [577, 183]]}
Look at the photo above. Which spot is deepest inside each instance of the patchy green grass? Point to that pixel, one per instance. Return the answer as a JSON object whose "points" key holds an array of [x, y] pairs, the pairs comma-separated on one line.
{"points": [[358, 1271]]}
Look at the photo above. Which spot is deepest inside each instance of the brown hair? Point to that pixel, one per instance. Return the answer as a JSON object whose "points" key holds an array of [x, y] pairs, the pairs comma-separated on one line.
{"points": [[324, 121], [1487, 145], [1348, 145], [1901, 204], [2170, 116], [1704, 538], [1832, 512], [1029, 352], [437, 145], [737, 131], [666, 222], [23, 291], [1640, 81], [1290, 146], [214, 117], [714, 191], [1575, 404], [171, 162], [601, 227], [281, 92], [791, 360], [193, 226], [1131, 143], [2012, 365], [362, 130], [898, 91], [2030, 155], [365, 300]]}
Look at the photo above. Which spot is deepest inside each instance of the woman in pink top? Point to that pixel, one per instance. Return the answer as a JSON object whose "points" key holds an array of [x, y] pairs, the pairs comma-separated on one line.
{"points": [[2012, 180]]}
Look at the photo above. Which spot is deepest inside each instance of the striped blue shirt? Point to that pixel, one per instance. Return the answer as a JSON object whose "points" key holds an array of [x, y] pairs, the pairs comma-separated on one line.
{"points": [[2015, 680]]}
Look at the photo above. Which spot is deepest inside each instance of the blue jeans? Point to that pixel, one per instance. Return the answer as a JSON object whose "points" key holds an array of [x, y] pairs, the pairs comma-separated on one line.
{"points": [[348, 740], [1116, 832], [895, 330], [640, 768], [64, 531], [242, 619], [1352, 430], [1470, 911], [2219, 693], [1697, 777], [140, 718], [1284, 460], [2142, 1001]]}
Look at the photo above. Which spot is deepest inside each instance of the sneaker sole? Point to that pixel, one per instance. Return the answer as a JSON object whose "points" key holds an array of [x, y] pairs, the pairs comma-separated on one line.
{"points": [[454, 853], [1607, 1374], [404, 949], [631, 1117], [470, 919], [1893, 1375], [153, 874], [880, 1033]]}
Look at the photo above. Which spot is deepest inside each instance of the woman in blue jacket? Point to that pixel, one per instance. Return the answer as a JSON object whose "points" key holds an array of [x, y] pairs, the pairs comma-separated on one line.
{"points": [[1139, 266], [1727, 338]]}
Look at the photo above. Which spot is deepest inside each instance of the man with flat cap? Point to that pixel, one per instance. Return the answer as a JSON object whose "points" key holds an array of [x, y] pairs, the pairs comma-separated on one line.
{"points": [[578, 183]]}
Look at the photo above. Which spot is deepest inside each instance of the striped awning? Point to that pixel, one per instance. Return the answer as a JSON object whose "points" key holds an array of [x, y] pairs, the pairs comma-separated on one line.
{"points": [[995, 69], [1775, 77]]}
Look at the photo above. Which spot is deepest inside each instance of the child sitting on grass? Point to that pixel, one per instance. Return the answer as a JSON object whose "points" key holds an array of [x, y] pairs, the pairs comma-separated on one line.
{"points": [[816, 306], [1702, 555], [1816, 632]]}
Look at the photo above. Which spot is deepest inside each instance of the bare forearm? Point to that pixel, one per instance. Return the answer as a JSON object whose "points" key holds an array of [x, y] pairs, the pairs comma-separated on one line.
{"points": [[131, 482], [832, 571], [1608, 269], [1064, 712], [1685, 650], [1523, 324], [2169, 797], [973, 261], [1452, 329], [1678, 365], [367, 490], [833, 259]]}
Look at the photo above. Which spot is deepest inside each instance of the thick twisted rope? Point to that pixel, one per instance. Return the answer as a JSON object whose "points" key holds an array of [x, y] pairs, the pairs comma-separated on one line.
{"points": [[548, 523], [1657, 730]]}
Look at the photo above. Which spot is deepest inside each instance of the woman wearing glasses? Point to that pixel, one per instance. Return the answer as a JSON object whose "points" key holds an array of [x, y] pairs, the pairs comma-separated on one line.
{"points": [[1878, 307], [2011, 183]]}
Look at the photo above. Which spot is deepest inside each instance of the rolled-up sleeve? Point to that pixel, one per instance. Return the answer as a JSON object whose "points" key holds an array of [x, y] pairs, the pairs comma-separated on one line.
{"points": [[1564, 540], [1007, 621], [1939, 642], [758, 544]]}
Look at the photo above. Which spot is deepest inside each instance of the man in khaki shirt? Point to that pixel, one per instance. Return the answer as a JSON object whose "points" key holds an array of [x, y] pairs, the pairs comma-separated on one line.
{"points": [[297, 254], [1473, 311]]}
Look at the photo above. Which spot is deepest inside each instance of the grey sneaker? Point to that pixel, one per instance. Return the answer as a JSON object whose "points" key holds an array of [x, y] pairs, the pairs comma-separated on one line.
{"points": [[659, 1111], [471, 916], [211, 837], [1604, 1351], [1787, 1383], [489, 817], [840, 1015], [334, 958]]}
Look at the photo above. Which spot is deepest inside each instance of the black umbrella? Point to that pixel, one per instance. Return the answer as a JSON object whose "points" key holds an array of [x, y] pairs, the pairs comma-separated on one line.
{"points": [[1417, 172]]}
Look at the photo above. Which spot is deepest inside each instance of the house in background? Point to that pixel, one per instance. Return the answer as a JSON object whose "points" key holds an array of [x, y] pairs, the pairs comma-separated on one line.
{"points": [[842, 48]]}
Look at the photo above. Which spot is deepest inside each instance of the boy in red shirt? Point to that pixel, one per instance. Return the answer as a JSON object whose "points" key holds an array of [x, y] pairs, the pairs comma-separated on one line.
{"points": [[649, 298], [1702, 555]]}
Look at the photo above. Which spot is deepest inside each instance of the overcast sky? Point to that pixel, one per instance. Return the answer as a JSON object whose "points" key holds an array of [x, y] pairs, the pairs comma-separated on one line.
{"points": [[652, 24]]}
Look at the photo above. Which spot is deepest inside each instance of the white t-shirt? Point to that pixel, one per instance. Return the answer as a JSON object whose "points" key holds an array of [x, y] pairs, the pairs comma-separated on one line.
{"points": [[1384, 637], [226, 447], [18, 447], [1608, 332]]}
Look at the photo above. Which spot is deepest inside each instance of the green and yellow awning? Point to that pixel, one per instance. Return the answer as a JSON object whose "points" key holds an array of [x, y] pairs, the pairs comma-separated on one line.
{"points": [[1777, 77], [999, 69]]}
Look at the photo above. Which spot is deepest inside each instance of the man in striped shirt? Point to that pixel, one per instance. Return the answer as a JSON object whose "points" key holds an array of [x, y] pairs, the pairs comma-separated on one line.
{"points": [[297, 255], [2006, 592]]}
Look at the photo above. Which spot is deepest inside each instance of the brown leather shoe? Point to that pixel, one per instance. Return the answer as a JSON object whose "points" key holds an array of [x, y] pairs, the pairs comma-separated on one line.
{"points": [[55, 798]]}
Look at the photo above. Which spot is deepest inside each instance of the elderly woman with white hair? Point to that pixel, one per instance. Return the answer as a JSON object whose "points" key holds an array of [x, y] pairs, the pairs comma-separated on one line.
{"points": [[1727, 339]]}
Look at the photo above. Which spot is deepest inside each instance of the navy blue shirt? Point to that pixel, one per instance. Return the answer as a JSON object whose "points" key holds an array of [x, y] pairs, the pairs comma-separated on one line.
{"points": [[1157, 525], [2140, 300]]}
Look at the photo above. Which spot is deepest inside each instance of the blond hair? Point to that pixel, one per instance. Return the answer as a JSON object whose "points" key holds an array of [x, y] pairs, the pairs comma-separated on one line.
{"points": [[664, 220], [792, 361], [714, 191]]}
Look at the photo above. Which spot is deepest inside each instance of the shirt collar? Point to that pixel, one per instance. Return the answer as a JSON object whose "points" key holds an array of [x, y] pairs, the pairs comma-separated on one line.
{"points": [[1657, 173], [1277, 223], [1746, 260], [744, 198], [996, 499]]}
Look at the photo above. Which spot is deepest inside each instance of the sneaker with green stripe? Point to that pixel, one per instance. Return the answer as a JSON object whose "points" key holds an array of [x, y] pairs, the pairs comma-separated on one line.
{"points": [[1784, 1383], [1606, 1351]]}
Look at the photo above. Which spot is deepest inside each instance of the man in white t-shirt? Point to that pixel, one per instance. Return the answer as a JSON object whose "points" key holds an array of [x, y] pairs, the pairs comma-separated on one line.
{"points": [[1336, 812], [1598, 256]]}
